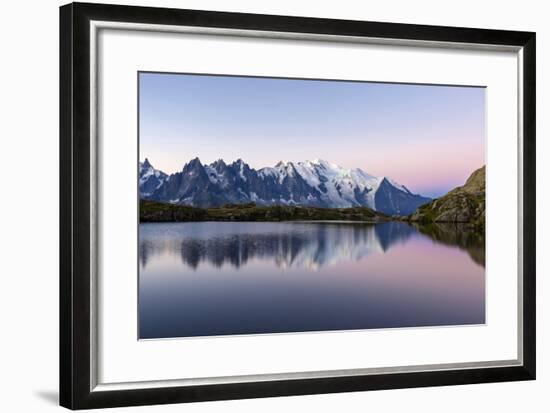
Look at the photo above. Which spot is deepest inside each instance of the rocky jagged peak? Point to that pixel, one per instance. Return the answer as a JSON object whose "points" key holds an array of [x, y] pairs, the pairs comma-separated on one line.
{"points": [[193, 163], [285, 165], [241, 168], [149, 178], [219, 166], [240, 164], [219, 162], [194, 166]]}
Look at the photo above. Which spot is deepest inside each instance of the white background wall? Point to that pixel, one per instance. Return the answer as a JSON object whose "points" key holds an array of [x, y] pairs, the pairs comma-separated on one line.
{"points": [[29, 205]]}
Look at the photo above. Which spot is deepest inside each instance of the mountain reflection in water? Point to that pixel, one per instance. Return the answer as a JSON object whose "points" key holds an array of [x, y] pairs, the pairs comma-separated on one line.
{"points": [[293, 244], [223, 278]]}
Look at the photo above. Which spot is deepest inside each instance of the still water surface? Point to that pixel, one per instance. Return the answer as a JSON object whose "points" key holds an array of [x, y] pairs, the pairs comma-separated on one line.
{"points": [[218, 278]]}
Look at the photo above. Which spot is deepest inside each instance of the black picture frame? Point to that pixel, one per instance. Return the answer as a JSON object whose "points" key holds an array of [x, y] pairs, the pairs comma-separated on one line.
{"points": [[75, 218]]}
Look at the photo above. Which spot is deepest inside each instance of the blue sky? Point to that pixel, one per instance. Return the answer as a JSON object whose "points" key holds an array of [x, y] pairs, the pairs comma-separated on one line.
{"points": [[429, 138]]}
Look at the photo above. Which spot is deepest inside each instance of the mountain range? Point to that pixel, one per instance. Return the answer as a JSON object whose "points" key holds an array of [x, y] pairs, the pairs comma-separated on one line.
{"points": [[315, 183]]}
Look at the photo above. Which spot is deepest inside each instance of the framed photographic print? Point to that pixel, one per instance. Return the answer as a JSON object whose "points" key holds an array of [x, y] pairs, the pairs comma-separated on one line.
{"points": [[256, 206]]}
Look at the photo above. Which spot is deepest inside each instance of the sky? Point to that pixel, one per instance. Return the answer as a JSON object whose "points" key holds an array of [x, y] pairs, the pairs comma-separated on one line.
{"points": [[428, 138]]}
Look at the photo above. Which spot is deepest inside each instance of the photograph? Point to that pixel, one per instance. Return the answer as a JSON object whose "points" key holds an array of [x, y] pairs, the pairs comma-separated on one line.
{"points": [[282, 202], [288, 205]]}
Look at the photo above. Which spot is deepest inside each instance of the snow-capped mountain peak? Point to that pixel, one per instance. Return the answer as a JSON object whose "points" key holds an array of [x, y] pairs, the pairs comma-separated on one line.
{"points": [[310, 183], [150, 178]]}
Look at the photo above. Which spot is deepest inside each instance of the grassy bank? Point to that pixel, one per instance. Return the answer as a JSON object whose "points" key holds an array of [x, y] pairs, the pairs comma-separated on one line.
{"points": [[151, 211]]}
